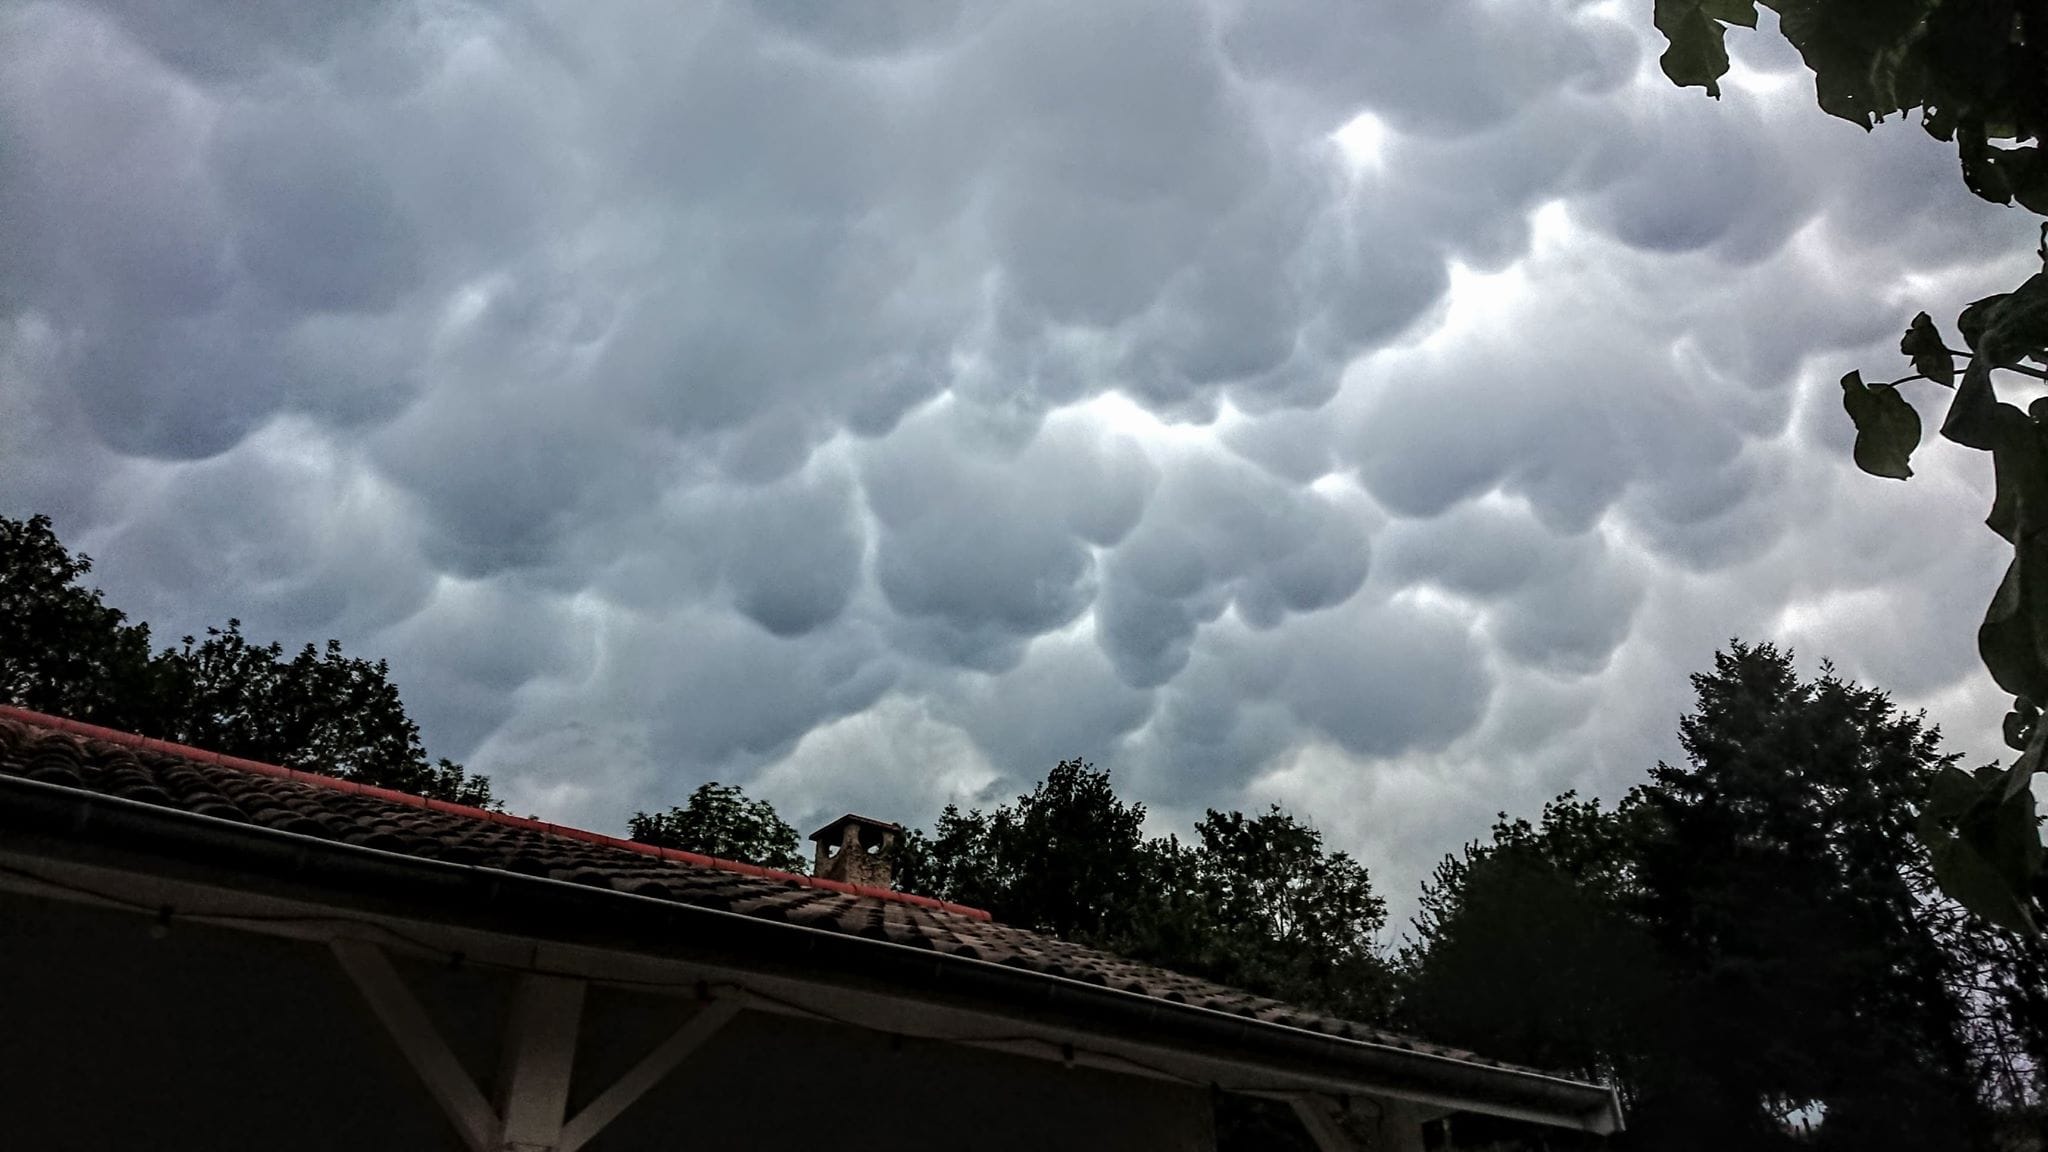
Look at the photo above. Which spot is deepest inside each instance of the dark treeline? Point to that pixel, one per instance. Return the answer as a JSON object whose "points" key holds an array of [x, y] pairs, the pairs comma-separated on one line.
{"points": [[1749, 946], [65, 651], [1253, 901], [1749, 935]]}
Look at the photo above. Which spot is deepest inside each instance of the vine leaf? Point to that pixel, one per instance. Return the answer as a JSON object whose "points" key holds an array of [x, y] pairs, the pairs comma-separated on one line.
{"points": [[1976, 417], [1741, 12], [2019, 466], [2003, 175], [1931, 358], [1965, 873], [2017, 326], [1887, 428], [1983, 843], [1864, 67], [2006, 639], [2020, 776], [2020, 724], [1977, 316], [2003, 330], [1698, 55]]}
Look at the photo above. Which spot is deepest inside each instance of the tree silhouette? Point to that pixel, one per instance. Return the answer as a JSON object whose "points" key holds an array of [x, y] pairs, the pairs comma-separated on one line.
{"points": [[720, 820], [63, 650], [1751, 931]]}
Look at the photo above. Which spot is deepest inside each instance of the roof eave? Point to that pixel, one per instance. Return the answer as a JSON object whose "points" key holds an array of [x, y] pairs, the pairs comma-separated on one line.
{"points": [[80, 820]]}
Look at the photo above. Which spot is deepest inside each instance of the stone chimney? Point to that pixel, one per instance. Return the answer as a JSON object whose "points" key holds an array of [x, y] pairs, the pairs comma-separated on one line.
{"points": [[855, 849]]}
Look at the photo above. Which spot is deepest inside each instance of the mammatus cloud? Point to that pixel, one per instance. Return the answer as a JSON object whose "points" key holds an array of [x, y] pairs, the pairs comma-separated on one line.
{"points": [[1377, 410]]}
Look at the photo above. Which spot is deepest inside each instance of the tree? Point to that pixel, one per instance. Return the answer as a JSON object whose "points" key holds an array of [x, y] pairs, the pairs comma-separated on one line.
{"points": [[1977, 71], [1253, 901], [64, 651], [720, 820], [1777, 872], [1068, 858], [955, 861], [1750, 931], [321, 710], [1286, 917], [1528, 948], [2000, 982]]}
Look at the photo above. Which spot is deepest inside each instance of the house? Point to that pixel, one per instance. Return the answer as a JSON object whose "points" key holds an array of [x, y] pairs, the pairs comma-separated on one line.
{"points": [[198, 951]]}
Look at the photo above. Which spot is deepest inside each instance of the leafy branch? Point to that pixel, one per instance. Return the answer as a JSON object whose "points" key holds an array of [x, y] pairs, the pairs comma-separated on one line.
{"points": [[1977, 72]]}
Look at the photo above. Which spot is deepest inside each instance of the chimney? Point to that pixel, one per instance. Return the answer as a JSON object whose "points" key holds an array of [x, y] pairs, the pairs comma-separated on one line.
{"points": [[855, 849]]}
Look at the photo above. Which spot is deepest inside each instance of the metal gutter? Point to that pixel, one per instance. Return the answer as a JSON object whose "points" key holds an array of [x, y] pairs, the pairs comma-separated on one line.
{"points": [[71, 823]]}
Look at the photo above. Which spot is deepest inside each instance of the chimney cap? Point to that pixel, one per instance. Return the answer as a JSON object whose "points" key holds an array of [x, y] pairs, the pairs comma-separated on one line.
{"points": [[831, 832]]}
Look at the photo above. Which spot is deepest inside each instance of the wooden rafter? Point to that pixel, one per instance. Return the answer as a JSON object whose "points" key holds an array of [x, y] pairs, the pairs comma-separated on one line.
{"points": [[538, 1060], [420, 1041]]}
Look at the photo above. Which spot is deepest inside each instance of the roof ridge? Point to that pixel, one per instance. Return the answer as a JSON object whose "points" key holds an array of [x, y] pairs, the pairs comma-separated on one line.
{"points": [[392, 795]]}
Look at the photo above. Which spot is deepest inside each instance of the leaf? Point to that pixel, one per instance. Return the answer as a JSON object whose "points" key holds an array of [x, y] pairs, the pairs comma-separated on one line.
{"points": [[2019, 465], [2008, 640], [2020, 723], [1931, 358], [1983, 839], [1864, 66], [1950, 795], [2018, 777], [1741, 12], [1940, 122], [1697, 56], [2009, 835], [1982, 172], [1887, 428], [1977, 316], [2027, 172], [2003, 175], [2018, 327], [1975, 883], [1976, 417]]}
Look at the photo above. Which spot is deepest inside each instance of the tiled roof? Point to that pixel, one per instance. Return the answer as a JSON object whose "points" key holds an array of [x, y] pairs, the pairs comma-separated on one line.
{"points": [[73, 755], [855, 818]]}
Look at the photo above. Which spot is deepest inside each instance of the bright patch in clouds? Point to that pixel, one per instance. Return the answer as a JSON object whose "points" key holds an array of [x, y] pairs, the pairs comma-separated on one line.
{"points": [[1363, 139]]}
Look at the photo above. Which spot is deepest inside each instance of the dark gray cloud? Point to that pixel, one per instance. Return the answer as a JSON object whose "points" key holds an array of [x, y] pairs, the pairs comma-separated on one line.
{"points": [[1221, 535], [318, 228], [1380, 408], [983, 543]]}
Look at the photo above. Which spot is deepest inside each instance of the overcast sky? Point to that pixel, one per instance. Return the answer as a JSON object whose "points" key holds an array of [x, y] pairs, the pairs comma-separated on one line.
{"points": [[1376, 408]]}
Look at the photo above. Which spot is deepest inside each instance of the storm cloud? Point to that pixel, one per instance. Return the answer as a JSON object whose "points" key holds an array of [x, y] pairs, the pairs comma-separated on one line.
{"points": [[1375, 408]]}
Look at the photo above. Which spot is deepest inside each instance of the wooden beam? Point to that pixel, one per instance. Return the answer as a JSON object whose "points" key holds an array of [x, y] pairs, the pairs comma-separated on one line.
{"points": [[420, 1041], [1319, 1117], [652, 1067], [539, 1054], [1400, 1128], [1397, 1127]]}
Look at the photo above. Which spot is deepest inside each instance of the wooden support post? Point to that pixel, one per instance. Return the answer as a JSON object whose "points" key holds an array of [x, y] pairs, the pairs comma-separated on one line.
{"points": [[539, 1053], [1319, 1116], [421, 1042], [708, 1019], [538, 1059], [1396, 1128], [1401, 1126]]}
